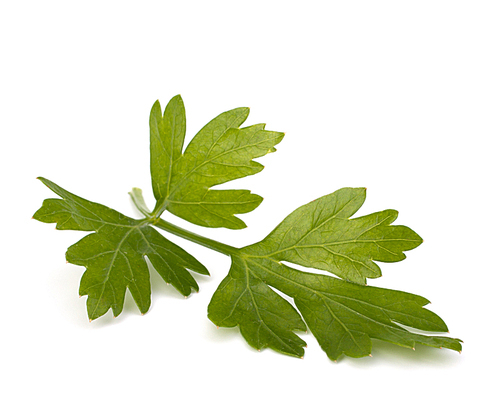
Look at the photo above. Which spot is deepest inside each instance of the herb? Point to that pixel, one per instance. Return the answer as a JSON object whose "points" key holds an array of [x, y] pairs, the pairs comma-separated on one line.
{"points": [[342, 312], [342, 316], [114, 253], [219, 153]]}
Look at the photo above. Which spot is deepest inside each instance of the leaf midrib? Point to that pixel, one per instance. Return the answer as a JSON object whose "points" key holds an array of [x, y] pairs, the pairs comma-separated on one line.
{"points": [[237, 123], [261, 320], [318, 293], [324, 296], [111, 264], [335, 243], [186, 176]]}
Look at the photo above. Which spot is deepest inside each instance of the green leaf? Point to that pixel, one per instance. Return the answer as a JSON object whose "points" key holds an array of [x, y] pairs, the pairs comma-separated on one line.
{"points": [[321, 235], [219, 152], [114, 254], [268, 300], [343, 316], [264, 317], [167, 135]]}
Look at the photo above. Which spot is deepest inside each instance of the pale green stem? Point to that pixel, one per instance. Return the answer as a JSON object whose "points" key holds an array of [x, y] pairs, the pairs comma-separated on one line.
{"points": [[139, 202], [196, 238]]}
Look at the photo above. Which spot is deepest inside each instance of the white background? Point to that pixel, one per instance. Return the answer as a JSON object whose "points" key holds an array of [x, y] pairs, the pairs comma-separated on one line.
{"points": [[400, 97]]}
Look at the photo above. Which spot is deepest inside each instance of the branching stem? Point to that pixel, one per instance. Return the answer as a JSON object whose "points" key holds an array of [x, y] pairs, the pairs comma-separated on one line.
{"points": [[138, 201], [196, 238]]}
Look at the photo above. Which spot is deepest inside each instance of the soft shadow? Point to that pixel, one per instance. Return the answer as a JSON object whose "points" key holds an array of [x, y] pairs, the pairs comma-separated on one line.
{"points": [[384, 353], [161, 288], [129, 309], [227, 336], [66, 282], [220, 334]]}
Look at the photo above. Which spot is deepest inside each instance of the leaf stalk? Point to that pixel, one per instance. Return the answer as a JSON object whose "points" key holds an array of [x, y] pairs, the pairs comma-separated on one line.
{"points": [[196, 238], [153, 219]]}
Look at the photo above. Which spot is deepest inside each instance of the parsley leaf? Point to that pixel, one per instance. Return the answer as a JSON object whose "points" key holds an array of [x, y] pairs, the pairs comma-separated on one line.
{"points": [[218, 153], [341, 311], [264, 317], [114, 253], [321, 235], [342, 316]]}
